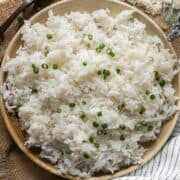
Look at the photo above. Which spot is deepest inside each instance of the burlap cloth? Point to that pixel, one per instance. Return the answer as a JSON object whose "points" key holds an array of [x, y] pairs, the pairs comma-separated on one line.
{"points": [[17, 166]]}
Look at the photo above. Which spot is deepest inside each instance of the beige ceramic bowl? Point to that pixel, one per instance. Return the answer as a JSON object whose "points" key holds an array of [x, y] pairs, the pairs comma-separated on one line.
{"points": [[67, 6]]}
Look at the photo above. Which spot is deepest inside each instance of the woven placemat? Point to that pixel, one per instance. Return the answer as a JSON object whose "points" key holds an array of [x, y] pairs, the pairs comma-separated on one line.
{"points": [[17, 166]]}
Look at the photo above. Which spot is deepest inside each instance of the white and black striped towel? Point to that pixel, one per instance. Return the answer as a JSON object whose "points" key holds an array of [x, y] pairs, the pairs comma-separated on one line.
{"points": [[165, 165]]}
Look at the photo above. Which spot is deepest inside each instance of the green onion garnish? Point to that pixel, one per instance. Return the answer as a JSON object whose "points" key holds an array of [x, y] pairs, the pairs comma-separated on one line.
{"points": [[102, 46], [132, 19], [84, 63], [104, 126], [46, 53], [99, 113], [34, 90], [49, 36], [95, 124], [68, 151], [147, 92], [99, 72], [59, 110], [35, 69], [86, 155], [122, 126], [20, 19], [72, 105], [9, 149], [152, 96], [150, 128], [162, 83], [143, 123], [110, 52], [118, 71], [101, 132], [142, 110], [98, 50], [55, 66], [44, 66], [122, 137], [90, 37], [84, 102], [121, 106], [138, 127], [18, 105], [106, 73], [96, 145], [82, 116], [91, 139], [156, 76]]}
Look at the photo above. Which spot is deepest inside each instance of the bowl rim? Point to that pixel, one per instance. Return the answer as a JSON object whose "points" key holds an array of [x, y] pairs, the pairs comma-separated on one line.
{"points": [[40, 162]]}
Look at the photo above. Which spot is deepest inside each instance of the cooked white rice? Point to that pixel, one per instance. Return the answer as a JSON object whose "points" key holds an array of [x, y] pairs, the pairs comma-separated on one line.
{"points": [[90, 108]]}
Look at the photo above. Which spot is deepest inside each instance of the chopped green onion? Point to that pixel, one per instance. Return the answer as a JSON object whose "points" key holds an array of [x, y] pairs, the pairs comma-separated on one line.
{"points": [[99, 72], [122, 126], [99, 113], [82, 116], [55, 66], [20, 19], [118, 71], [44, 66], [110, 52], [46, 53], [150, 128], [106, 73], [104, 125], [84, 102], [59, 110], [147, 92], [98, 50], [68, 151], [152, 96], [143, 123], [35, 69], [34, 90], [86, 155], [162, 83], [9, 149], [49, 36], [121, 106], [132, 19], [90, 37], [104, 132], [18, 105], [142, 110], [156, 76], [72, 105], [84, 63], [122, 137], [138, 127], [101, 132], [102, 46], [96, 145], [95, 124], [91, 139]]}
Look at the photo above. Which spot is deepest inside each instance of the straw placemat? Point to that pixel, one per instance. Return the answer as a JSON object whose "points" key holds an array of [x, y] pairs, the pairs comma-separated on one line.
{"points": [[17, 166]]}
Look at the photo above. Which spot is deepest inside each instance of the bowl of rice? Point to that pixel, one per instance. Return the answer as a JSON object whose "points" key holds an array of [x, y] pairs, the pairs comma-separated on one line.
{"points": [[92, 86]]}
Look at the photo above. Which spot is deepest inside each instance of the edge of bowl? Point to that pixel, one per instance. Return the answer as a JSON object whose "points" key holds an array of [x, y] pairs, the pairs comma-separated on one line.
{"points": [[53, 169]]}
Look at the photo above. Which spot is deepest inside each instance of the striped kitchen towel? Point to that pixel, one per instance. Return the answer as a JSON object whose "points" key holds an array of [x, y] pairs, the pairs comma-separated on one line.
{"points": [[165, 165]]}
